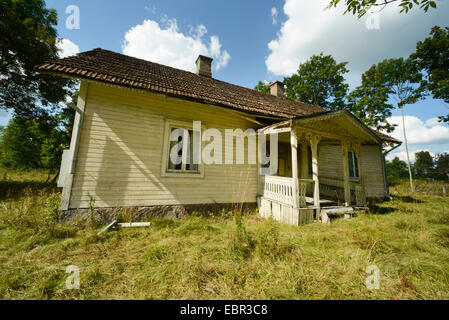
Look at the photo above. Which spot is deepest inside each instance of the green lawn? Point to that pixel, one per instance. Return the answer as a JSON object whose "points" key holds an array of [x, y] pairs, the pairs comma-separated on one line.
{"points": [[223, 257]]}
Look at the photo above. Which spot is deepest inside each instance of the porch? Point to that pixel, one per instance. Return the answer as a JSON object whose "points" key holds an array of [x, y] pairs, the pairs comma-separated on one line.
{"points": [[299, 193]]}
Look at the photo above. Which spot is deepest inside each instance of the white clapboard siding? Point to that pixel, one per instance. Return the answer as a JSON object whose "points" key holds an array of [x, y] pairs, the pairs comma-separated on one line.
{"points": [[331, 166], [373, 172], [120, 153], [330, 161]]}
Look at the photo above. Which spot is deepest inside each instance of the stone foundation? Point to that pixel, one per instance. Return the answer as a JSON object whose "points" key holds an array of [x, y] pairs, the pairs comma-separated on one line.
{"points": [[139, 214]]}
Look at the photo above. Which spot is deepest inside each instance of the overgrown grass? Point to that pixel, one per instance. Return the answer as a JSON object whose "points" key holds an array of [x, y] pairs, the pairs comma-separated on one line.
{"points": [[422, 187], [226, 257]]}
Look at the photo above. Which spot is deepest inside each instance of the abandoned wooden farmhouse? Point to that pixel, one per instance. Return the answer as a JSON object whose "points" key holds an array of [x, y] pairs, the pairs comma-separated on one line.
{"points": [[127, 109]]}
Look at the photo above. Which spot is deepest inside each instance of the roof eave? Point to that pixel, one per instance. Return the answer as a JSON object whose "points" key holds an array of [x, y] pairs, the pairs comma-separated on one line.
{"points": [[266, 115], [345, 112]]}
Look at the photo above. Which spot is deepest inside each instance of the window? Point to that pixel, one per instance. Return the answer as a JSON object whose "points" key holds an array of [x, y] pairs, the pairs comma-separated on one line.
{"points": [[179, 159], [181, 151], [353, 165], [267, 165]]}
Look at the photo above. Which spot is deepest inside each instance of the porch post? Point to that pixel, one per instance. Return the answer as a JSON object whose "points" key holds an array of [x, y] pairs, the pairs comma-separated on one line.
{"points": [[314, 140], [358, 153], [360, 194], [304, 160], [347, 187], [294, 146]]}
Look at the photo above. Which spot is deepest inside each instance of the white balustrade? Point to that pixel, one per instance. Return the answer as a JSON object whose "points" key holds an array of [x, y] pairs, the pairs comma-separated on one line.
{"points": [[278, 189]]}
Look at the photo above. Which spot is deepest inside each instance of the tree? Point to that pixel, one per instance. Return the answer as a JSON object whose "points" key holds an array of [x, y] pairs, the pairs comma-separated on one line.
{"points": [[21, 144], [432, 56], [37, 143], [29, 39], [390, 80], [263, 87], [319, 81], [396, 170], [370, 102], [423, 164], [442, 166], [32, 144], [2, 131], [58, 139], [361, 7]]}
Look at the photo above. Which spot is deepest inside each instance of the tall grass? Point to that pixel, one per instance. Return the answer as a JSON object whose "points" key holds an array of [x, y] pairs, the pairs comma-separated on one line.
{"points": [[422, 187], [231, 256]]}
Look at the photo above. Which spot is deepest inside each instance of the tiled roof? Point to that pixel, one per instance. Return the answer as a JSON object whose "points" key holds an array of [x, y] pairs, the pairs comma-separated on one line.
{"points": [[387, 138], [114, 68], [118, 69]]}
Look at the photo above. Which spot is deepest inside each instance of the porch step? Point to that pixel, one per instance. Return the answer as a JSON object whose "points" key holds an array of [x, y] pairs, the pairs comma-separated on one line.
{"points": [[328, 213], [324, 203]]}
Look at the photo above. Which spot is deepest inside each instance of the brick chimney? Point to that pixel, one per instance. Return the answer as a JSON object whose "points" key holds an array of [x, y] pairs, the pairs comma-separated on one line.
{"points": [[204, 66], [277, 89]]}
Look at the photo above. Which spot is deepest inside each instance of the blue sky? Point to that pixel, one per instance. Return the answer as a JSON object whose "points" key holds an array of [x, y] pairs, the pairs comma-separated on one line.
{"points": [[244, 28], [263, 40]]}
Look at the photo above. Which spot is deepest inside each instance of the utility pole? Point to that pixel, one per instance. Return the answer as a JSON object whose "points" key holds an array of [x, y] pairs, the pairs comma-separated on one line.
{"points": [[406, 150]]}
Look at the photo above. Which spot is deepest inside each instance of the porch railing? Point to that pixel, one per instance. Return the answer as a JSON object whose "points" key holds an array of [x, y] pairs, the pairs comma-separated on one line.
{"points": [[305, 186], [278, 189], [335, 188], [281, 189]]}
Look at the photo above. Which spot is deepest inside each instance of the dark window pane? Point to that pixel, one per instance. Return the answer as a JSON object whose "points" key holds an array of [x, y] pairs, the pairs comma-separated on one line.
{"points": [[267, 154], [190, 166], [351, 164], [177, 164], [184, 150]]}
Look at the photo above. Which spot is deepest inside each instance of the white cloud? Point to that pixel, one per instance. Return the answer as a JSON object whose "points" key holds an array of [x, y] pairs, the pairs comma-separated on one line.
{"points": [[167, 45], [429, 135], [200, 31], [310, 29], [274, 15], [420, 133], [402, 154], [432, 122], [67, 48], [151, 8]]}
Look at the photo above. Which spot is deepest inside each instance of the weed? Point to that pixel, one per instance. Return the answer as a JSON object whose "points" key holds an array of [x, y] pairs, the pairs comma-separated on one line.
{"points": [[229, 256]]}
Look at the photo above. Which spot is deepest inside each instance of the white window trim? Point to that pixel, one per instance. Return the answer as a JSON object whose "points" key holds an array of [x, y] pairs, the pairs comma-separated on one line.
{"points": [[165, 172]]}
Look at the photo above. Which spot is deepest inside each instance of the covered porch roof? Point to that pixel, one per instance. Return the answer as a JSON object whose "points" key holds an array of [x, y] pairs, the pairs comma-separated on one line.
{"points": [[332, 125]]}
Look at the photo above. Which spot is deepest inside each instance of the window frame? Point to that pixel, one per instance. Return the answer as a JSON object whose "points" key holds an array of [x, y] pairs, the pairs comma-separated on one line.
{"points": [[352, 157], [183, 173]]}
